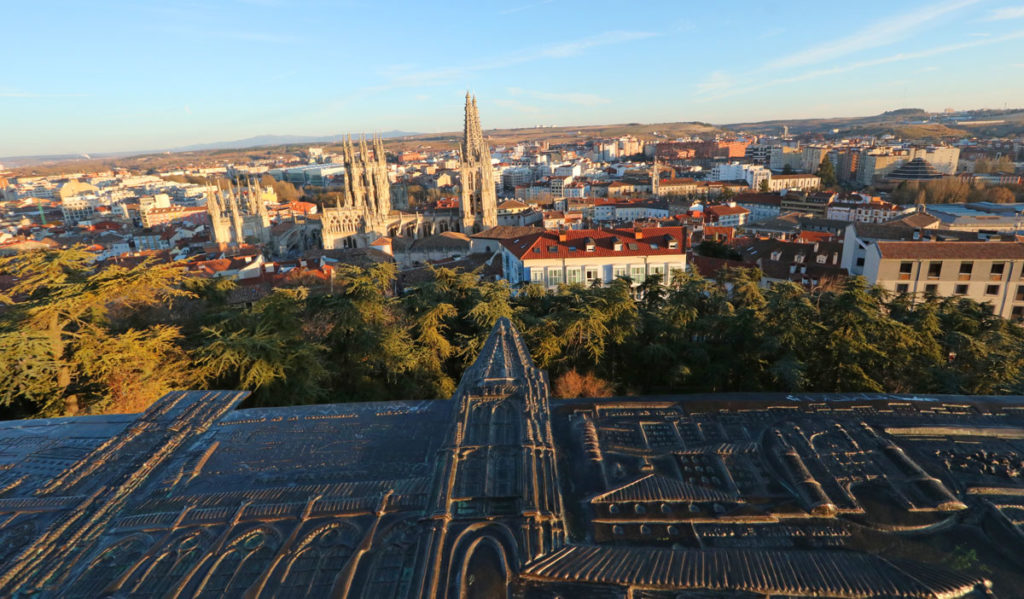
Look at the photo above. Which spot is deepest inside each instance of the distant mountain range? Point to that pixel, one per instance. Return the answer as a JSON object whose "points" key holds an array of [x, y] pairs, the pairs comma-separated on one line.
{"points": [[278, 140], [238, 144]]}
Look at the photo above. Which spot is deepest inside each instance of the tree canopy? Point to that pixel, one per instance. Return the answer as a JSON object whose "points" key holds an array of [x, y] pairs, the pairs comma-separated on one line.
{"points": [[75, 338], [827, 173]]}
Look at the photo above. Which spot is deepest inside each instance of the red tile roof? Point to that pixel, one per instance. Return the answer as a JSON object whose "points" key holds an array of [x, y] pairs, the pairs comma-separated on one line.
{"points": [[943, 250], [723, 210], [654, 241]]}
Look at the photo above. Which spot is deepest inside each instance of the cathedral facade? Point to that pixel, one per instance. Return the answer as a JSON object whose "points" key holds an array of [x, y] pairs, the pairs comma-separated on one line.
{"points": [[238, 214], [368, 212], [500, 492]]}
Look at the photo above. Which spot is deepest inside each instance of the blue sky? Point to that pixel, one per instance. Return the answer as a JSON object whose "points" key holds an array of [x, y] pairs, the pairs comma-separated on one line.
{"points": [[134, 75]]}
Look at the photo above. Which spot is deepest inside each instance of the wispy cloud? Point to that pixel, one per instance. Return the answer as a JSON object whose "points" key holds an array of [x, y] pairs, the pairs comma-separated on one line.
{"points": [[517, 105], [718, 81], [899, 57], [578, 98], [577, 47], [881, 33], [408, 75], [1005, 14]]}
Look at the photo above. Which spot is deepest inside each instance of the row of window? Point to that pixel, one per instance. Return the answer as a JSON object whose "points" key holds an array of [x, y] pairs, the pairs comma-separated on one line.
{"points": [[966, 270], [961, 289], [589, 274]]}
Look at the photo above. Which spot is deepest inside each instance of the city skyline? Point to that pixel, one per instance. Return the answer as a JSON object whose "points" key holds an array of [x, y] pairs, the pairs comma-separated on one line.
{"points": [[122, 77]]}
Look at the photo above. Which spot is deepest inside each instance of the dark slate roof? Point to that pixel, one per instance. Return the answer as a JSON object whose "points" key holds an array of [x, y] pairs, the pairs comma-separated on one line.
{"points": [[660, 488], [917, 169], [506, 232], [832, 574]]}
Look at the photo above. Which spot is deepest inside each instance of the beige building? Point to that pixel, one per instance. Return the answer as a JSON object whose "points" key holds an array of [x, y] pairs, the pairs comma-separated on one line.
{"points": [[796, 181], [984, 271], [592, 256]]}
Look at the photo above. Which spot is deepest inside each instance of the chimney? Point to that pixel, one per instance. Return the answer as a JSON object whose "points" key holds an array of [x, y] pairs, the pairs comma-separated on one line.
{"points": [[563, 236], [638, 233]]}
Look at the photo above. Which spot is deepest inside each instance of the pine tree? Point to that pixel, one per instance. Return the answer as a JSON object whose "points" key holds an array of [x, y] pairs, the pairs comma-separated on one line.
{"points": [[827, 173]]}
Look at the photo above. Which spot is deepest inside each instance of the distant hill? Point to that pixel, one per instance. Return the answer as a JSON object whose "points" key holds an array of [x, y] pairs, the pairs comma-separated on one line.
{"points": [[277, 140], [905, 123]]}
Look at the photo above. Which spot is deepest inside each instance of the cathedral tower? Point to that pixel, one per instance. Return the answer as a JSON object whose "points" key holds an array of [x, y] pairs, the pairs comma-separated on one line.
{"points": [[479, 205]]}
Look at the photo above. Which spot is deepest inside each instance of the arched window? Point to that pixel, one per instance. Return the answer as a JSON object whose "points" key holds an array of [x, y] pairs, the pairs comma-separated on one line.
{"points": [[241, 564], [478, 424], [504, 473], [472, 475], [313, 569], [169, 567], [111, 564], [505, 424], [394, 572]]}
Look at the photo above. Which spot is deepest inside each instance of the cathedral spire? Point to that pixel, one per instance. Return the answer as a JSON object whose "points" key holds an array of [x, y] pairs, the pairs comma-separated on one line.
{"points": [[478, 204]]}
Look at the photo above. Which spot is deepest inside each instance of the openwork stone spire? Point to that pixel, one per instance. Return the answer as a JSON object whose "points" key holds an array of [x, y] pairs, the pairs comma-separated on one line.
{"points": [[479, 202]]}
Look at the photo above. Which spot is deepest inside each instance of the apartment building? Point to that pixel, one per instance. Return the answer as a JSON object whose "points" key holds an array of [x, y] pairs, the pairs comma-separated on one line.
{"points": [[762, 206], [872, 211], [809, 203], [726, 215], [985, 271], [779, 183], [590, 256]]}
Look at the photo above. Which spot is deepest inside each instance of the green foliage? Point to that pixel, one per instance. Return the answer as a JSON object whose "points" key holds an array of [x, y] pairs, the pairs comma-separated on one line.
{"points": [[717, 249], [763, 186], [74, 338], [286, 192], [1003, 164], [827, 173], [953, 190]]}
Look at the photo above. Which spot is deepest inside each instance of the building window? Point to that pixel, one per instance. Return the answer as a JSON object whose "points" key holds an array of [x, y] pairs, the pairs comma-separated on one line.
{"points": [[960, 290], [992, 290], [965, 270], [537, 275], [934, 270], [554, 277], [902, 288], [905, 269], [860, 261], [593, 274], [572, 275], [1020, 294], [618, 272], [1017, 313], [638, 274], [996, 274], [931, 289]]}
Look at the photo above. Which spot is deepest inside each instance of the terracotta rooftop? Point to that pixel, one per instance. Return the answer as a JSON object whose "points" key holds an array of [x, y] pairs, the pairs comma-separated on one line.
{"points": [[946, 250], [652, 242]]}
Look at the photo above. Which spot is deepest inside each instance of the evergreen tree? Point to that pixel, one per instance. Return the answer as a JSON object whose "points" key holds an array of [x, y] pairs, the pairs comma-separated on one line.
{"points": [[827, 173]]}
